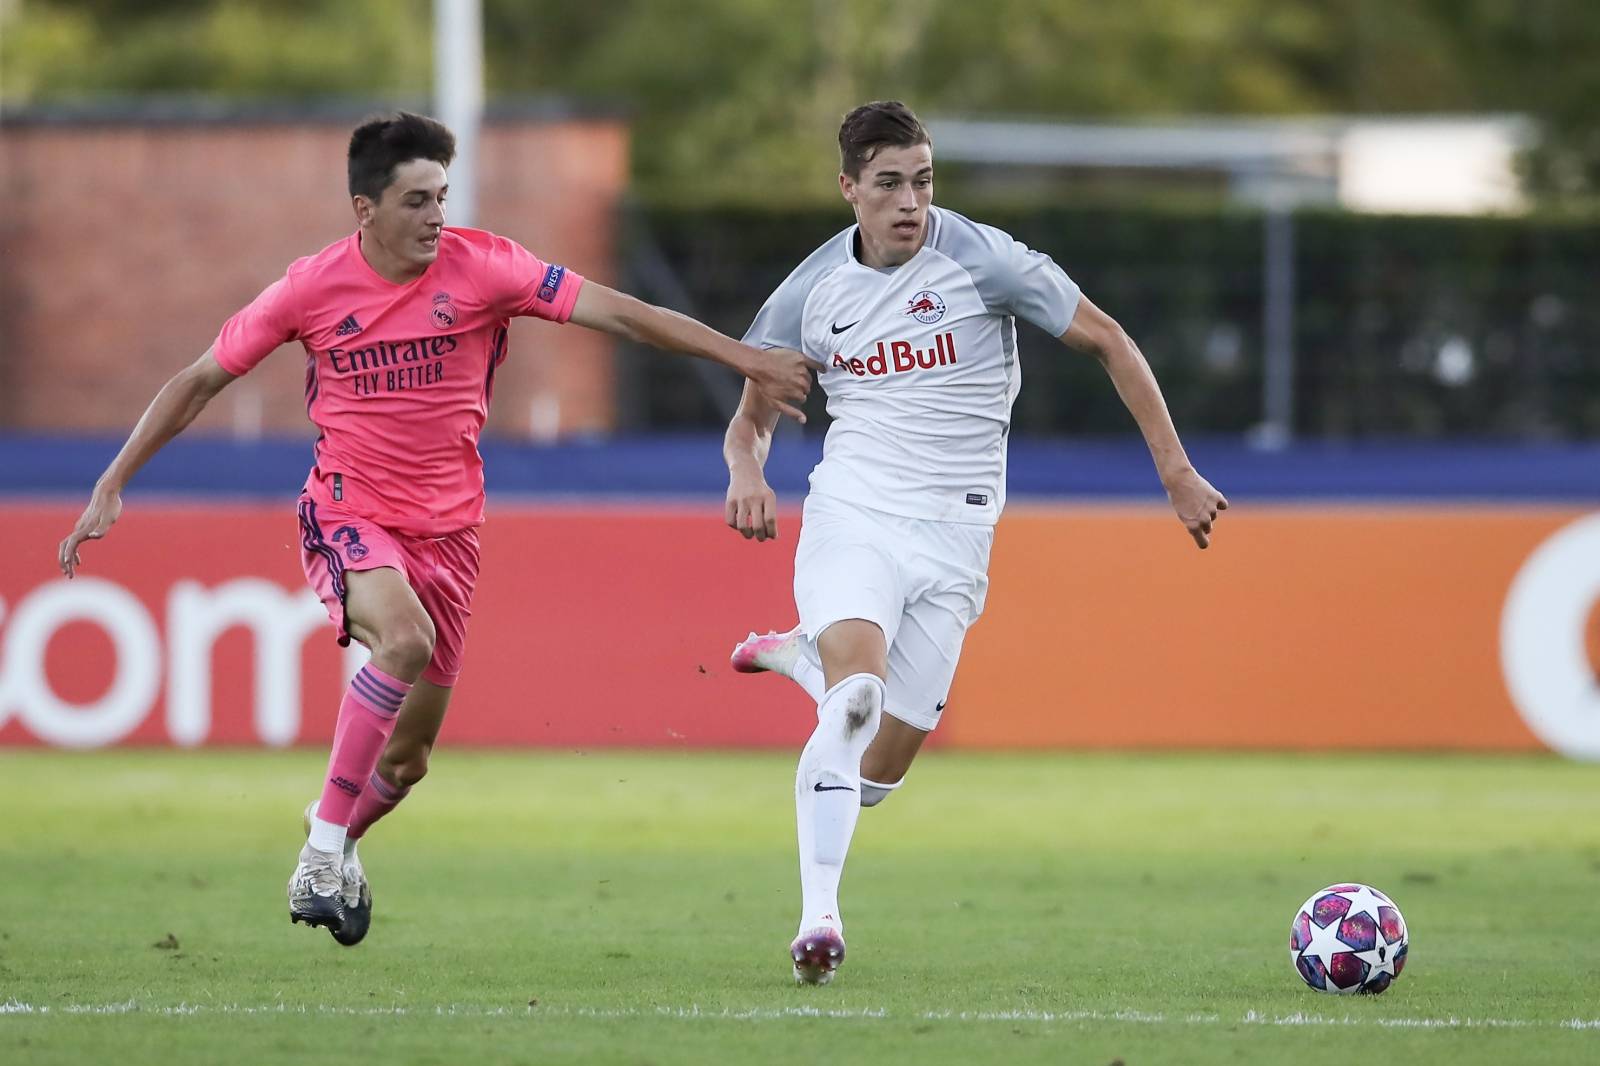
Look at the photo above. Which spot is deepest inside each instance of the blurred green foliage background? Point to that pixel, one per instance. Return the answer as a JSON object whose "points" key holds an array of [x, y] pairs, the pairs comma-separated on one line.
{"points": [[730, 97]]}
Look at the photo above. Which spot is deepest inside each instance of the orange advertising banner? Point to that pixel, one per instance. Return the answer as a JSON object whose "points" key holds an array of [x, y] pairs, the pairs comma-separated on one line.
{"points": [[1317, 627], [1347, 626]]}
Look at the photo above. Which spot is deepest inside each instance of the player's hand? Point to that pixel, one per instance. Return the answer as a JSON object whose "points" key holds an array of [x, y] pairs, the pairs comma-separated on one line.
{"points": [[752, 508], [1196, 502], [783, 377], [105, 507]]}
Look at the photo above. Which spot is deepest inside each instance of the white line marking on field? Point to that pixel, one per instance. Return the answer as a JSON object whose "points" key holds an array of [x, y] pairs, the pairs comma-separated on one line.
{"points": [[694, 1011]]}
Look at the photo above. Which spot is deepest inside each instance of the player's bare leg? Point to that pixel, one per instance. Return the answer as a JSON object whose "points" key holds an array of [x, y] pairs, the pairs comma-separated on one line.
{"points": [[382, 612], [888, 759], [827, 787], [403, 764]]}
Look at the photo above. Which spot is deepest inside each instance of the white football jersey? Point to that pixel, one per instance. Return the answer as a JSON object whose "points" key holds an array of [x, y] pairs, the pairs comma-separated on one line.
{"points": [[921, 363]]}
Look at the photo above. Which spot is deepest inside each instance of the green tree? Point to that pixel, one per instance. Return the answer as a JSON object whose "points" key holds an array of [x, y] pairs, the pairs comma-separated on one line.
{"points": [[288, 48], [731, 99]]}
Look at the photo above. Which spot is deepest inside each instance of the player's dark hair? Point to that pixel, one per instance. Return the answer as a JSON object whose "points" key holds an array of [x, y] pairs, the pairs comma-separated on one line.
{"points": [[381, 144], [873, 127]]}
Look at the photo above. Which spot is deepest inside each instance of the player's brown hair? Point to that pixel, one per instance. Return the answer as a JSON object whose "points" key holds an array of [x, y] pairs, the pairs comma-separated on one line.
{"points": [[380, 144], [872, 127]]}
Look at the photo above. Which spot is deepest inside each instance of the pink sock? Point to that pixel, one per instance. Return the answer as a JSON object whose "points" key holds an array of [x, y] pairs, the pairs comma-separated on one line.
{"points": [[376, 800], [366, 721]]}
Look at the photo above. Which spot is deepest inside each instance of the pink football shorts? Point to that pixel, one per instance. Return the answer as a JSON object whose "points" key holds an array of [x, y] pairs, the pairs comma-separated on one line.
{"points": [[442, 571]]}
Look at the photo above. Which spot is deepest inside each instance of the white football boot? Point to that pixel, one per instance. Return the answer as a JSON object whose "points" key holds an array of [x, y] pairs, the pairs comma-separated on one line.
{"points": [[354, 892], [316, 890], [776, 652]]}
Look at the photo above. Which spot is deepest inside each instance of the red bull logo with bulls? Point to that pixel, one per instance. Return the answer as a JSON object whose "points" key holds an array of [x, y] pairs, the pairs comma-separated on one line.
{"points": [[899, 357], [926, 307]]}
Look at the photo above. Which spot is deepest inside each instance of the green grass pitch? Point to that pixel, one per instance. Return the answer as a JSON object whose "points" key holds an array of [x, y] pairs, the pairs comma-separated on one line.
{"points": [[637, 908]]}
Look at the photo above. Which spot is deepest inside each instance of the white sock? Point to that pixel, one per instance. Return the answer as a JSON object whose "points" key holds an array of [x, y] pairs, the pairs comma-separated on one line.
{"points": [[326, 836], [350, 842], [827, 792], [806, 669], [808, 675]]}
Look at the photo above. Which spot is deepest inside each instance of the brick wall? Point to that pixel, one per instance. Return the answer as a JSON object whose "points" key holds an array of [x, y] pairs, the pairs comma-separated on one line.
{"points": [[125, 244]]}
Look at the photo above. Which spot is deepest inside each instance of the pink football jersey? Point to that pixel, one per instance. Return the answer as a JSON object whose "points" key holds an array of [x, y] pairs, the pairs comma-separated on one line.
{"points": [[398, 377]]}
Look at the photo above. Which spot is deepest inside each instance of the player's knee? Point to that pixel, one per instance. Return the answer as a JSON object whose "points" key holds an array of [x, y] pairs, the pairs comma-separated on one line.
{"points": [[874, 793], [854, 646], [853, 708], [407, 646]]}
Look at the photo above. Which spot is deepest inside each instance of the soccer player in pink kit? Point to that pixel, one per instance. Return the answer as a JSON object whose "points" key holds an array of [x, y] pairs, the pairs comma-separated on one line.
{"points": [[403, 324]]}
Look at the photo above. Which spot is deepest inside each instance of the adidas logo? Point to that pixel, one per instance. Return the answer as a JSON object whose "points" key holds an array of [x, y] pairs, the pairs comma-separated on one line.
{"points": [[348, 327]]}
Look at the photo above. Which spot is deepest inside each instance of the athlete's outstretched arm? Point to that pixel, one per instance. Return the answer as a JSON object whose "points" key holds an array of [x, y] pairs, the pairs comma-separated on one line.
{"points": [[752, 506], [783, 376], [174, 407], [1097, 333]]}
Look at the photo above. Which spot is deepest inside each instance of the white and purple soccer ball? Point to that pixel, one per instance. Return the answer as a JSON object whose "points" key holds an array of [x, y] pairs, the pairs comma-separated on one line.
{"points": [[1348, 938]]}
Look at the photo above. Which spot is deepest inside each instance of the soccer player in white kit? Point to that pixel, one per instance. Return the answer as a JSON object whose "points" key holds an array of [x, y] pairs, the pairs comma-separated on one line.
{"points": [[912, 310]]}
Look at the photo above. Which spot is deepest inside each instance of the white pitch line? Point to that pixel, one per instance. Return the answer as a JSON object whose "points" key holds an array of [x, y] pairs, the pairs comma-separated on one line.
{"points": [[696, 1012]]}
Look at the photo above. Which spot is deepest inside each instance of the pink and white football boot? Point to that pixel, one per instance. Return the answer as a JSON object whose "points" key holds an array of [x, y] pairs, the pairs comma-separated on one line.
{"points": [[776, 652]]}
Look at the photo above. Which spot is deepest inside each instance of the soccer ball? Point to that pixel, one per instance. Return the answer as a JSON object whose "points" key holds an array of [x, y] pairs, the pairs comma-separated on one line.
{"points": [[1348, 938]]}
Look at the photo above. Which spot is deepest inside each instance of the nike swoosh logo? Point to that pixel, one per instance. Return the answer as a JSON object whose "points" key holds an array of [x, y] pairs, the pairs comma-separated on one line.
{"points": [[837, 329], [820, 787]]}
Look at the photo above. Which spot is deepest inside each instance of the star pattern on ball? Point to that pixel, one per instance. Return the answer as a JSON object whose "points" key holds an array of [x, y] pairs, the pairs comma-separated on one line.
{"points": [[1364, 901], [1380, 959], [1325, 943]]}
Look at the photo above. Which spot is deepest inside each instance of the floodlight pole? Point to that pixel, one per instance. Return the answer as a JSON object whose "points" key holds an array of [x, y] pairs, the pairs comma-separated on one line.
{"points": [[458, 96], [1277, 326]]}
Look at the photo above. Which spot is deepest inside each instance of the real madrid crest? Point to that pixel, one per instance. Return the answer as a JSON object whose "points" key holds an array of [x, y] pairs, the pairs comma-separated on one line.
{"points": [[444, 312]]}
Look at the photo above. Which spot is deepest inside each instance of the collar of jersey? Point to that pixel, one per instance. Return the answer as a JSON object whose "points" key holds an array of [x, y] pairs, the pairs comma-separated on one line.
{"points": [[355, 250]]}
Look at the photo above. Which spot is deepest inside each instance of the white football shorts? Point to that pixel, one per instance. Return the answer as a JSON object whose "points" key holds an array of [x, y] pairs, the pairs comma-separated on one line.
{"points": [[922, 582]]}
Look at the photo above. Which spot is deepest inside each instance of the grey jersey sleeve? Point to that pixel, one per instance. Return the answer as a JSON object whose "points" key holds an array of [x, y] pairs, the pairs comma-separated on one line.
{"points": [[778, 323], [1011, 278]]}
